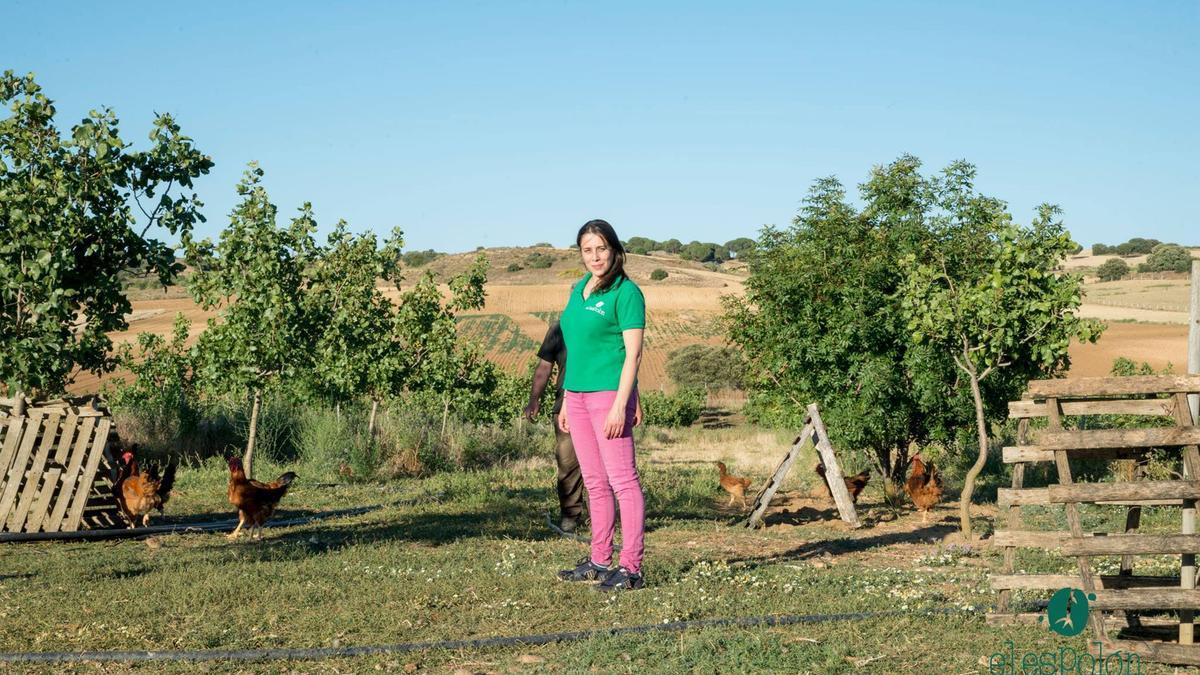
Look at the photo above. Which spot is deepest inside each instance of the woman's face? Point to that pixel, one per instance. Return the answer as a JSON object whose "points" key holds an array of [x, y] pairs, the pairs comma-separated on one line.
{"points": [[597, 257]]}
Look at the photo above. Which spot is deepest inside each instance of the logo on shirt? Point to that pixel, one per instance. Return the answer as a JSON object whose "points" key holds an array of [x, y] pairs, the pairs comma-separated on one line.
{"points": [[596, 308]]}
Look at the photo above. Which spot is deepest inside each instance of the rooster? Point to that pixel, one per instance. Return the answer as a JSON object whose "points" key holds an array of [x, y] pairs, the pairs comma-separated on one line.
{"points": [[138, 494], [924, 486], [255, 501], [734, 485], [854, 484]]}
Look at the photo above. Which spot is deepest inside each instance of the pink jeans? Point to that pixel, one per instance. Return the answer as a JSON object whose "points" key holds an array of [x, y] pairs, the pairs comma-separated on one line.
{"points": [[608, 466]]}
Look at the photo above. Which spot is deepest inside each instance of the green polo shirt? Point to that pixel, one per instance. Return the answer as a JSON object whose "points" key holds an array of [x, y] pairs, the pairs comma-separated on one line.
{"points": [[592, 330]]}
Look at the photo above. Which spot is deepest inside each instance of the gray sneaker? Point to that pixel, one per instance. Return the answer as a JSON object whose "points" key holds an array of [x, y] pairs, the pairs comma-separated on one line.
{"points": [[586, 570], [621, 579]]}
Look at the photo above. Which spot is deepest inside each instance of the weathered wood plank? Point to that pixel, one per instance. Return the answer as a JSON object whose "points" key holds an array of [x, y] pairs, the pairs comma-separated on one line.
{"points": [[70, 480], [1112, 386], [1014, 516], [1158, 652], [1155, 407], [89, 476], [1048, 582], [41, 508], [12, 440], [1146, 598], [1006, 497], [33, 478], [833, 471], [1118, 438], [1128, 491], [1143, 544], [763, 499], [16, 471], [1036, 453]]}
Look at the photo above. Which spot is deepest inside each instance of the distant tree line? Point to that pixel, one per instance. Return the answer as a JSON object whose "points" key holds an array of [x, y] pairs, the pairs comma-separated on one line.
{"points": [[698, 251]]}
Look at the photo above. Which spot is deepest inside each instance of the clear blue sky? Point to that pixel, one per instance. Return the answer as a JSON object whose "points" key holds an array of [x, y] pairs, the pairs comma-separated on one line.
{"points": [[508, 123]]}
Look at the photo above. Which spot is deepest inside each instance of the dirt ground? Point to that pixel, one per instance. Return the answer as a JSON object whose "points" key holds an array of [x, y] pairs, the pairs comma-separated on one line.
{"points": [[1156, 344]]}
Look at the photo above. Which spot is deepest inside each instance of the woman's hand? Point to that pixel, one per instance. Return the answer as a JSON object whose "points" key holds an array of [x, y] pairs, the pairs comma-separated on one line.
{"points": [[637, 415], [562, 420], [614, 424]]}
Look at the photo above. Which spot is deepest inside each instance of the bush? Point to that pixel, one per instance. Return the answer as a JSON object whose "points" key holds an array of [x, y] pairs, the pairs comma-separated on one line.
{"points": [[1167, 258], [707, 366], [514, 267], [1101, 249], [1113, 269], [680, 409], [658, 274], [1137, 246], [420, 258], [543, 244], [538, 261]]}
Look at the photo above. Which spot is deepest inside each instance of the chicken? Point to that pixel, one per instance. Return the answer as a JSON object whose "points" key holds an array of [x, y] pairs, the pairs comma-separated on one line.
{"points": [[924, 486], [854, 484], [734, 485], [140, 493], [255, 501]]}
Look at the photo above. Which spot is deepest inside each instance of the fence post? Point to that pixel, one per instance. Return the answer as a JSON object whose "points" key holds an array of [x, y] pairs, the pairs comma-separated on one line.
{"points": [[1194, 336]]}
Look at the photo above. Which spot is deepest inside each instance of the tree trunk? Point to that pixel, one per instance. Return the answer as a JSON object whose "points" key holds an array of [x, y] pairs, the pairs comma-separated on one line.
{"points": [[445, 414], [371, 421], [964, 502], [249, 458]]}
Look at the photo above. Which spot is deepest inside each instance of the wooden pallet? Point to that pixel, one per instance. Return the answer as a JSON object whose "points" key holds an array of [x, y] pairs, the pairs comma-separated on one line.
{"points": [[1126, 593], [814, 430], [56, 470]]}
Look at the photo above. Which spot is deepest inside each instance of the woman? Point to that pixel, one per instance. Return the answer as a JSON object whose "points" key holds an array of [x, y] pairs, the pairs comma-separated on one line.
{"points": [[602, 326]]}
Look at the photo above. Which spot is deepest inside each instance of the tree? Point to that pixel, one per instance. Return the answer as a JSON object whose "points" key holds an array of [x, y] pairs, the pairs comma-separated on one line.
{"points": [[67, 211], [641, 245], [671, 246], [821, 321], [255, 276], [998, 310], [739, 246], [1113, 269], [698, 252], [353, 318], [1102, 249], [707, 367], [1167, 258]]}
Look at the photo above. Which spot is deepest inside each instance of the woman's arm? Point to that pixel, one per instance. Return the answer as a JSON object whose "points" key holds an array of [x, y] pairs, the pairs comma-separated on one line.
{"points": [[615, 422]]}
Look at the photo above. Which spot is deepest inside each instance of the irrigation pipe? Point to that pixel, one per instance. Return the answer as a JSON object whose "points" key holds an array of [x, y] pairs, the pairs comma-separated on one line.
{"points": [[480, 643]]}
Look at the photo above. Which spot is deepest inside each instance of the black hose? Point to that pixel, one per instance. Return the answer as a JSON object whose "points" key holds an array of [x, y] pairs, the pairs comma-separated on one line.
{"points": [[480, 643]]}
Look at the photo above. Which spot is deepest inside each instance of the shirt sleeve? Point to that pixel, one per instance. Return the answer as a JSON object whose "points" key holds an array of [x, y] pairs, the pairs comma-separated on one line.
{"points": [[552, 344], [631, 307]]}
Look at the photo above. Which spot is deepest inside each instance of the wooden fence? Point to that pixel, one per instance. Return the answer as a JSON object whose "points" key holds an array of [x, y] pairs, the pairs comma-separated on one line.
{"points": [[56, 470], [1129, 594]]}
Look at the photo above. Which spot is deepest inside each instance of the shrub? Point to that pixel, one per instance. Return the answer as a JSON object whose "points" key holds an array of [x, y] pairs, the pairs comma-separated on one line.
{"points": [[1113, 269], [514, 267], [658, 274], [538, 261], [707, 366], [1167, 258], [420, 258], [1101, 249], [680, 409], [543, 244]]}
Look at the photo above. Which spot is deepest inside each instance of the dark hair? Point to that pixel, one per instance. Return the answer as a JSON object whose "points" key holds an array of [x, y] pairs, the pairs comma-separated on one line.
{"points": [[616, 267]]}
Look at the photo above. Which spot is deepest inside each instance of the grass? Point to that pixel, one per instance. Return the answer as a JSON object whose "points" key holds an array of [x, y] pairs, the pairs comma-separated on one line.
{"points": [[467, 555]]}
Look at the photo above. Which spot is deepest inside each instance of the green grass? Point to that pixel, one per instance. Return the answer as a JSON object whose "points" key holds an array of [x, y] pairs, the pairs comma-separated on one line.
{"points": [[467, 555]]}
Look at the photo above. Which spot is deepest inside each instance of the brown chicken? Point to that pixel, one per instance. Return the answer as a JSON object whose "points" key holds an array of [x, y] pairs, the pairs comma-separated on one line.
{"points": [[734, 485], [854, 484], [140, 493], [924, 486], [255, 501]]}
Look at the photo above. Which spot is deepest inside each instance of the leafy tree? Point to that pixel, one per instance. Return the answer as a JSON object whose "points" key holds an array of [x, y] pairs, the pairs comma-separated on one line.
{"points": [[163, 388], [352, 317], [1137, 246], [698, 252], [420, 258], [1113, 269], [671, 246], [821, 321], [998, 309], [739, 246], [76, 213], [658, 274], [707, 367], [641, 245], [255, 276], [1102, 249], [1167, 258]]}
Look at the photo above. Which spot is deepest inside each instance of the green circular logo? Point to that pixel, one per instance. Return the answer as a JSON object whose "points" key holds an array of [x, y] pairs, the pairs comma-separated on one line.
{"points": [[1068, 611]]}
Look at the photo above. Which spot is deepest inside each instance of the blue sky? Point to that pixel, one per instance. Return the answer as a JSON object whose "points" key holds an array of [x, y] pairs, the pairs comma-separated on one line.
{"points": [[509, 123]]}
